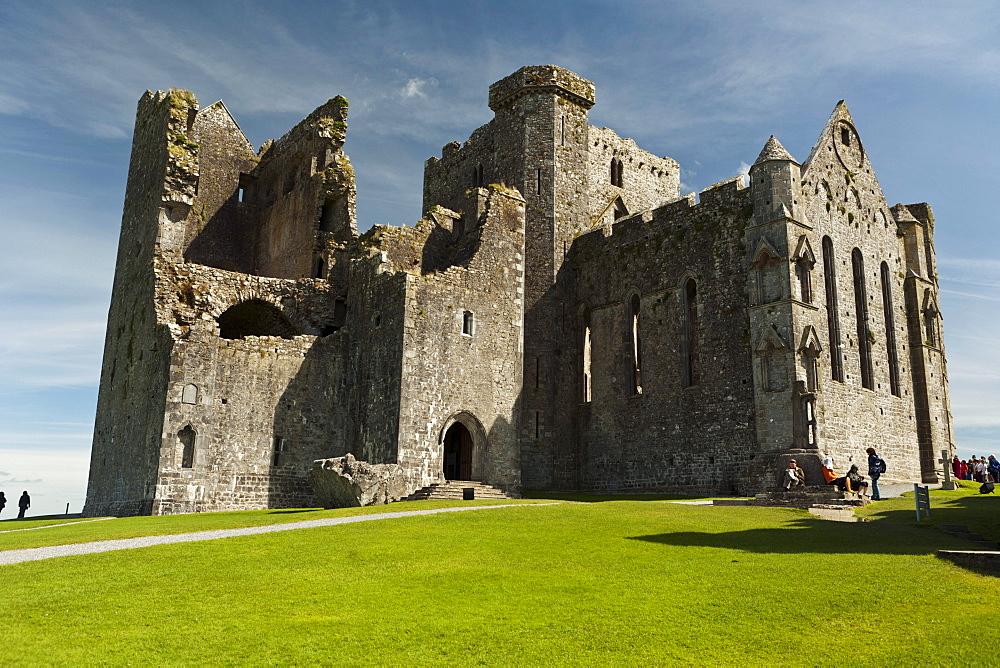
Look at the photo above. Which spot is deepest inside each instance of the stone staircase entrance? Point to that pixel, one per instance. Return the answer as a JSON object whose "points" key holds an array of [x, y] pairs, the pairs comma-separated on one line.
{"points": [[455, 489]]}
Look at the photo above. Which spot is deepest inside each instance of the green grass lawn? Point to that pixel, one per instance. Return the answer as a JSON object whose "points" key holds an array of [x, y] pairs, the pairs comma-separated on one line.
{"points": [[619, 582], [133, 527]]}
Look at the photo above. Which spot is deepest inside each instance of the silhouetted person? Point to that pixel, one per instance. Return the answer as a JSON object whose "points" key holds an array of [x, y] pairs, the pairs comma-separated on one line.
{"points": [[3, 501], [23, 503]]}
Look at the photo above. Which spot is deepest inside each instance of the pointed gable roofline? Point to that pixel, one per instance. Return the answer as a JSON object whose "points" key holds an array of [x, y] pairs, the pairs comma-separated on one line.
{"points": [[770, 339], [222, 105], [773, 150], [840, 112]]}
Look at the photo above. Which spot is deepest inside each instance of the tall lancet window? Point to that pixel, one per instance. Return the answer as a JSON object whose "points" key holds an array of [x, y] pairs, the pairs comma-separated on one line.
{"points": [[636, 345], [187, 437], [692, 361], [832, 312], [890, 330], [861, 317], [617, 172], [586, 355]]}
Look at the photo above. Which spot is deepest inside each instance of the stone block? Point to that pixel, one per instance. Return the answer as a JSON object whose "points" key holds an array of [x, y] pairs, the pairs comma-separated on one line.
{"points": [[345, 482]]}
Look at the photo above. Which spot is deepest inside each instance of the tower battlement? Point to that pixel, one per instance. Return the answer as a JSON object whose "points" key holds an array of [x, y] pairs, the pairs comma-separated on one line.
{"points": [[542, 79]]}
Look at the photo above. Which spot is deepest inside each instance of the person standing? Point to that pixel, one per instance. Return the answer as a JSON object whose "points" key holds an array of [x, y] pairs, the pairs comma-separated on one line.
{"points": [[876, 467], [23, 504], [980, 474], [993, 468]]}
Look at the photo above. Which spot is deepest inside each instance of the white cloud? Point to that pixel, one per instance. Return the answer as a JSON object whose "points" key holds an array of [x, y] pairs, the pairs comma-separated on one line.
{"points": [[415, 87]]}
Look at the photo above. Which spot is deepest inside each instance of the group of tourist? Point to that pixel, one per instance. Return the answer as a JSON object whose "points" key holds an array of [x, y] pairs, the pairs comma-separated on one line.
{"points": [[852, 482], [23, 503], [978, 469]]}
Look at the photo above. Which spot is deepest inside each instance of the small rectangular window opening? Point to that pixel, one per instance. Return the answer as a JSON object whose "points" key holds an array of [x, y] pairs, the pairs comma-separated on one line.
{"points": [[538, 424], [240, 194], [467, 323], [845, 136], [538, 372], [279, 448]]}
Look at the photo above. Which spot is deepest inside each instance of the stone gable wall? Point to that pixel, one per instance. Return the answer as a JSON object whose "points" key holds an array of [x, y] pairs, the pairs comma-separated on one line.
{"points": [[855, 214]]}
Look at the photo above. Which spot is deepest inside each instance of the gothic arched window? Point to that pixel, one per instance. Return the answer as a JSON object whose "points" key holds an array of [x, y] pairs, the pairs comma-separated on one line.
{"points": [[832, 312], [861, 317], [890, 330], [187, 437]]}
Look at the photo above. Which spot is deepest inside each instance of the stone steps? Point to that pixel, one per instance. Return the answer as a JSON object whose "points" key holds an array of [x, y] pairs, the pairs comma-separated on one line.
{"points": [[455, 489], [836, 513], [961, 531], [822, 498]]}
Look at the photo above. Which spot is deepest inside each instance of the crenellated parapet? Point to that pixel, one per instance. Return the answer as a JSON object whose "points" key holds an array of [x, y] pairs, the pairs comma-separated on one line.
{"points": [[547, 79]]}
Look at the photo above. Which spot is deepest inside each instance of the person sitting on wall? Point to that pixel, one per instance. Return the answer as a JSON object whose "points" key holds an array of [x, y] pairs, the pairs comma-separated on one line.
{"points": [[794, 476], [828, 474], [855, 482]]}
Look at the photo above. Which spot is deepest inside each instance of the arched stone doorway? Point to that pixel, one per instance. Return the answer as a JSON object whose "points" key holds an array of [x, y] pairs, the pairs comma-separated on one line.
{"points": [[458, 453], [462, 443]]}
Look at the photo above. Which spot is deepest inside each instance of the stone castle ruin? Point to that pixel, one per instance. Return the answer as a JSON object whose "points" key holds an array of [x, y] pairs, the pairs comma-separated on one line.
{"points": [[562, 318]]}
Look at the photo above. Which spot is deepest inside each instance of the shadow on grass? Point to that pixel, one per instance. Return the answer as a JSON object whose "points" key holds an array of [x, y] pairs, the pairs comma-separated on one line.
{"points": [[806, 535], [980, 514], [43, 518], [291, 511]]}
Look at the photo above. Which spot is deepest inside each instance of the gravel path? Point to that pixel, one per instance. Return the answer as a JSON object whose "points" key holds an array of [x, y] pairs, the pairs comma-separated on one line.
{"points": [[36, 553]]}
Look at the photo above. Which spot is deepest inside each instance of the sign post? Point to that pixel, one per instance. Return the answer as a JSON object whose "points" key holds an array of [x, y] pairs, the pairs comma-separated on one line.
{"points": [[922, 495]]}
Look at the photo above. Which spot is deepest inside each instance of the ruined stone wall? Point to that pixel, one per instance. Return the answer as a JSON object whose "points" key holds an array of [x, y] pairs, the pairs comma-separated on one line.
{"points": [[137, 349], [252, 330], [303, 185], [220, 230], [449, 373], [253, 396], [375, 326], [647, 180], [668, 436], [247, 397]]}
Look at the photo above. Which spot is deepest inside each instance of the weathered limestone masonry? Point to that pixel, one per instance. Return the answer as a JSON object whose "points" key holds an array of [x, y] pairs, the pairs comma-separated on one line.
{"points": [[252, 331], [576, 325]]}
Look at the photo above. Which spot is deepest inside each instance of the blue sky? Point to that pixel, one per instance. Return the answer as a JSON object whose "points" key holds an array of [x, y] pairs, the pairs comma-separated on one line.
{"points": [[703, 82]]}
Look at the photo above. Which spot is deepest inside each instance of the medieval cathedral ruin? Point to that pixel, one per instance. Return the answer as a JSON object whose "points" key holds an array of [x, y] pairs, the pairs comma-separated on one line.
{"points": [[562, 318]]}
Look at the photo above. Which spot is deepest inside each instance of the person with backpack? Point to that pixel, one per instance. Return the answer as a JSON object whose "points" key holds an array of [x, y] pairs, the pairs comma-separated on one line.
{"points": [[993, 466], [876, 467]]}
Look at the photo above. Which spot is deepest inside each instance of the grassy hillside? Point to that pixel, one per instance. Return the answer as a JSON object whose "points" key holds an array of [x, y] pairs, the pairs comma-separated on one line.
{"points": [[576, 583]]}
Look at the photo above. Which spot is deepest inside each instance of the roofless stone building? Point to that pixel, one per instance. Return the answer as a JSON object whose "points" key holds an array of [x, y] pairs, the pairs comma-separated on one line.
{"points": [[561, 318]]}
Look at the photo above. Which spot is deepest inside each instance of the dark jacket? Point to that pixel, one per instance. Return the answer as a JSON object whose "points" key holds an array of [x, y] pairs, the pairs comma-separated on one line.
{"points": [[874, 466]]}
